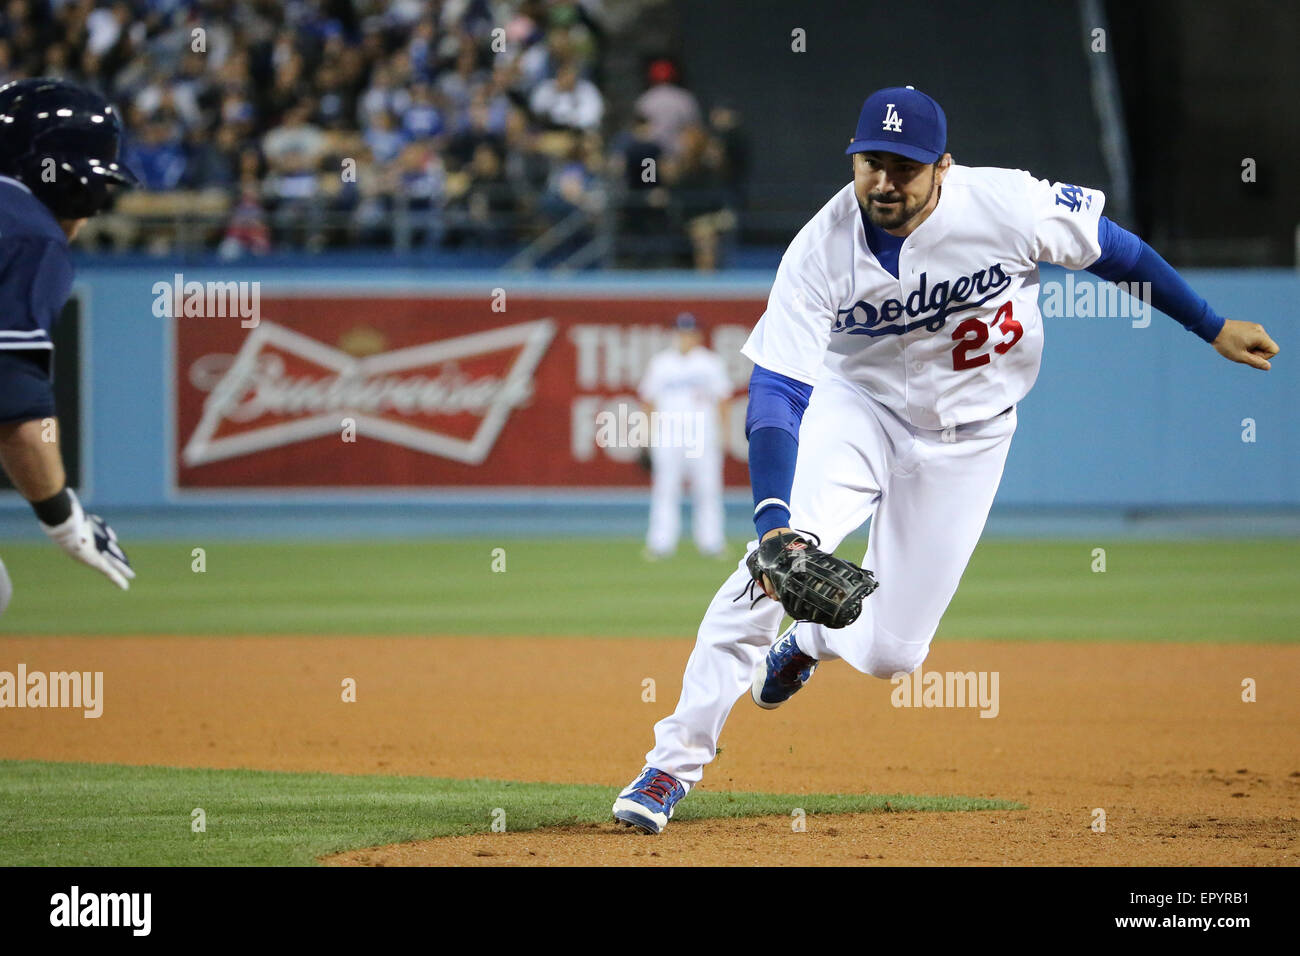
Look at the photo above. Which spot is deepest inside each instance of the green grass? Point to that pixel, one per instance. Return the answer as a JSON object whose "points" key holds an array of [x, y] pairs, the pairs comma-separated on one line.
{"points": [[66, 814], [1216, 590], [1213, 590]]}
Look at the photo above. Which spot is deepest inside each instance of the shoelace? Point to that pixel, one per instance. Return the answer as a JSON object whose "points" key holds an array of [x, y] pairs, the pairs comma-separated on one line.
{"points": [[748, 589], [659, 786]]}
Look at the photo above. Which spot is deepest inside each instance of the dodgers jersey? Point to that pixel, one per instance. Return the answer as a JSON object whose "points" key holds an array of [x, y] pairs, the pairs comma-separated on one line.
{"points": [[689, 383], [957, 337], [35, 269]]}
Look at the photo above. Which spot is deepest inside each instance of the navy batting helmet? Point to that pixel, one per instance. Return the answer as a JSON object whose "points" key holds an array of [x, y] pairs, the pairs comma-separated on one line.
{"points": [[61, 142]]}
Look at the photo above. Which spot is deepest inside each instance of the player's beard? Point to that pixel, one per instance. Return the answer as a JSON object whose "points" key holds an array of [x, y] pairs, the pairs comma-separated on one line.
{"points": [[903, 214]]}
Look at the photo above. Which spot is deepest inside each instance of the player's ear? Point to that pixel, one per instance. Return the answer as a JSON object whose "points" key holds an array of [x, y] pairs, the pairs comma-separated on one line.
{"points": [[941, 167]]}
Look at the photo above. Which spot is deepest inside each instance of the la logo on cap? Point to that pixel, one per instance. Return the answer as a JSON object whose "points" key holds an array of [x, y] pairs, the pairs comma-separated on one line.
{"points": [[893, 122]]}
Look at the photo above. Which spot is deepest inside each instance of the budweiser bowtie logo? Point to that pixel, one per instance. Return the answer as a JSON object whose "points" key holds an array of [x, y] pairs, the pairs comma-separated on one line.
{"points": [[449, 398]]}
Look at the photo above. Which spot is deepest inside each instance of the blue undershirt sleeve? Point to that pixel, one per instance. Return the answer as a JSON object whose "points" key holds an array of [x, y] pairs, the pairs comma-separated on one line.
{"points": [[776, 407], [1126, 258]]}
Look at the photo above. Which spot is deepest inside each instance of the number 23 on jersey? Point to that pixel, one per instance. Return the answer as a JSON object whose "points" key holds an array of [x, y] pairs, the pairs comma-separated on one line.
{"points": [[972, 334]]}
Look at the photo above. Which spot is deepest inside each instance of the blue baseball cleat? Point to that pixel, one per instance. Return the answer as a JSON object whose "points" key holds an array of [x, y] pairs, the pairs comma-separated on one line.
{"points": [[647, 802], [782, 673]]}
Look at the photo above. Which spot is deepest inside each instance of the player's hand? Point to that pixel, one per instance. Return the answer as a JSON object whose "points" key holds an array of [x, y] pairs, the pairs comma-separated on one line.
{"points": [[1245, 342], [90, 540], [811, 584], [765, 584]]}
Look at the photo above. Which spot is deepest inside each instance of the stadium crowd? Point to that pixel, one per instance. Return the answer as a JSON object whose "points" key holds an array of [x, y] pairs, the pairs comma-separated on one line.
{"points": [[314, 124]]}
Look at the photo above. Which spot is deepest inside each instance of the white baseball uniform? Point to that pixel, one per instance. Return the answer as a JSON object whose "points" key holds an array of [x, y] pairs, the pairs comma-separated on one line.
{"points": [[685, 390], [915, 381]]}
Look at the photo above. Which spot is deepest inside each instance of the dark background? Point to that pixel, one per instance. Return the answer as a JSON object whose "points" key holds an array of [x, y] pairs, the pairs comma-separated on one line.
{"points": [[1201, 86], [1206, 85]]}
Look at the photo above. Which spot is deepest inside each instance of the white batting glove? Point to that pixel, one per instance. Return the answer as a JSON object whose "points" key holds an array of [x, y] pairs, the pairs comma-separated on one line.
{"points": [[90, 540]]}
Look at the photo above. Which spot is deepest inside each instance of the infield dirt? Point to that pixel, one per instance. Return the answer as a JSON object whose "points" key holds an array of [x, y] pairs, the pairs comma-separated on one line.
{"points": [[1155, 735]]}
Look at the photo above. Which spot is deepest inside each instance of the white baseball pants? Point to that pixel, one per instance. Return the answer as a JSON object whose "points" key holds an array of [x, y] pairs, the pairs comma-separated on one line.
{"points": [[701, 468], [928, 494]]}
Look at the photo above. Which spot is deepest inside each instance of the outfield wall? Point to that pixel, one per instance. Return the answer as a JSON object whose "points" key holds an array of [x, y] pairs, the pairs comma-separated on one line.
{"points": [[1125, 417]]}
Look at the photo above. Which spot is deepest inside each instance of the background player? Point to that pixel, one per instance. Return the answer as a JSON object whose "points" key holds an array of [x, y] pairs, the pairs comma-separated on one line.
{"points": [[58, 164], [687, 389], [911, 302]]}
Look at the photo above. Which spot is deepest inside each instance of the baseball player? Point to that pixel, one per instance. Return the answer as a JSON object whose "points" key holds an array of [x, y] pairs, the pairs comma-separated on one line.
{"points": [[685, 390], [58, 163], [901, 331]]}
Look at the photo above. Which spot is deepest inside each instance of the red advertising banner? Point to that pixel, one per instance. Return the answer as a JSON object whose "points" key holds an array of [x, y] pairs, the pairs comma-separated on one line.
{"points": [[428, 392]]}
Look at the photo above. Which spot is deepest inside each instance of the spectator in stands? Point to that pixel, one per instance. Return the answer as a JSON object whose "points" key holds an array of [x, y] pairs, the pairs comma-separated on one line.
{"points": [[542, 60], [568, 101], [701, 195], [20, 53], [574, 36], [296, 139], [637, 165], [252, 167], [724, 127], [247, 230], [523, 36], [423, 119], [290, 85], [471, 144], [158, 157], [668, 107], [486, 207], [163, 92], [423, 48], [383, 138], [57, 64], [527, 167], [575, 196], [574, 184], [334, 106], [239, 112], [475, 17], [483, 122], [106, 27], [188, 89], [293, 153], [638, 156], [422, 181], [457, 85], [113, 46], [368, 200], [382, 96], [212, 162]]}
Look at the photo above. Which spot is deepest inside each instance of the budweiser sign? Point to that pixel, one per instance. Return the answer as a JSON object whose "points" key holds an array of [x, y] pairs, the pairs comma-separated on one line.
{"points": [[285, 387], [340, 389]]}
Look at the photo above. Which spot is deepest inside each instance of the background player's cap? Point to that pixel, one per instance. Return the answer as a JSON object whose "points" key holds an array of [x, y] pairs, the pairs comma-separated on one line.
{"points": [[900, 119], [686, 322]]}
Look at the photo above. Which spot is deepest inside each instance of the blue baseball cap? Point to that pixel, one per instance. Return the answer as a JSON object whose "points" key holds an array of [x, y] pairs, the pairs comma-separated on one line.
{"points": [[902, 120], [686, 322]]}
